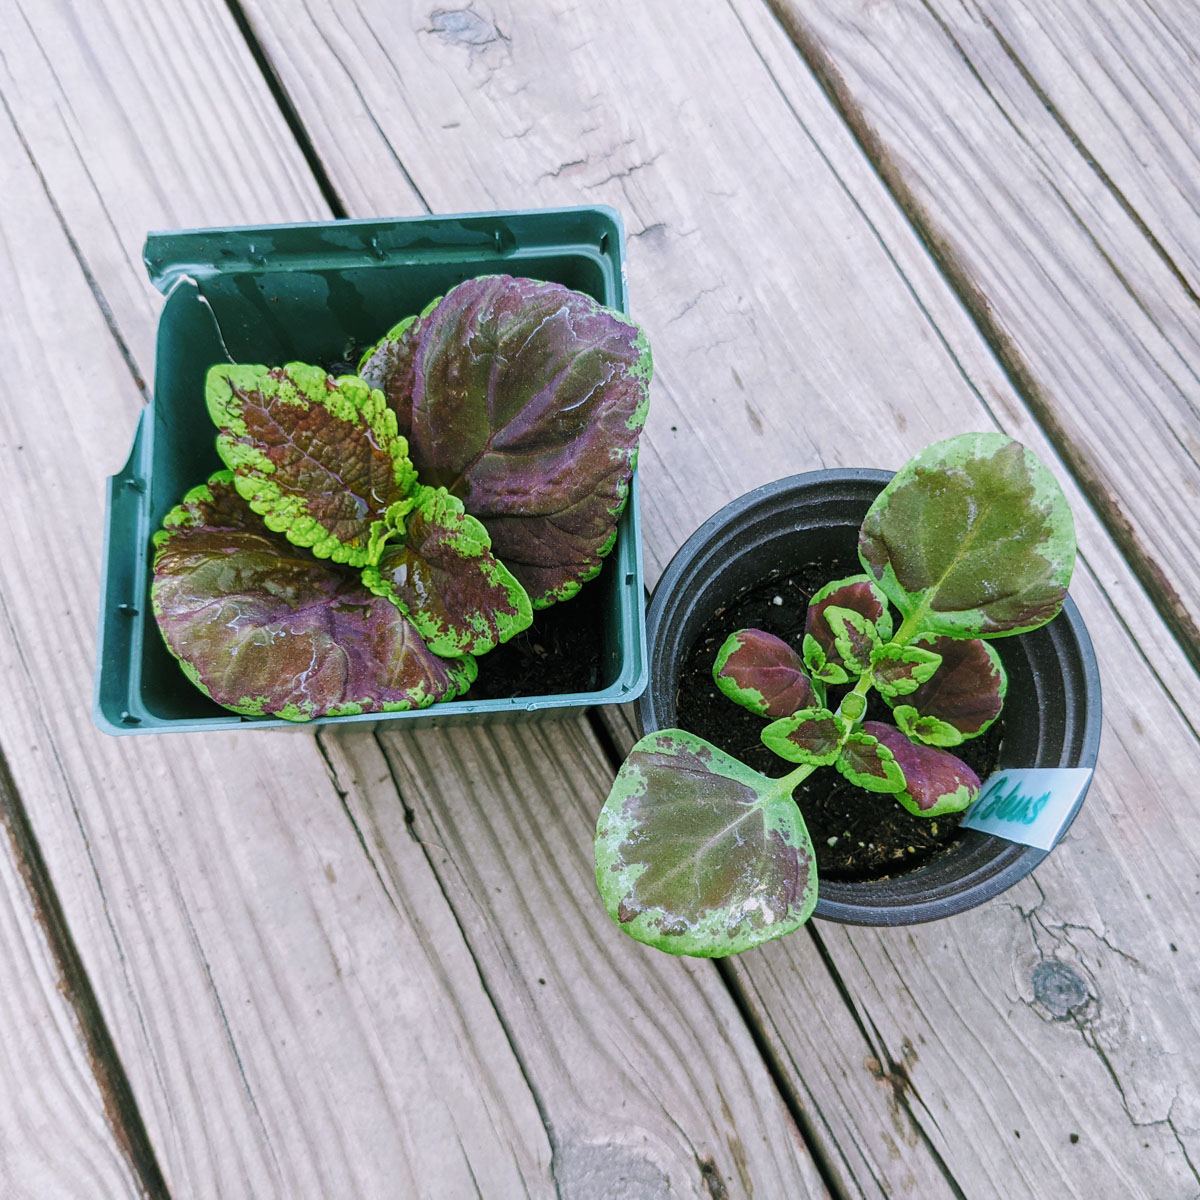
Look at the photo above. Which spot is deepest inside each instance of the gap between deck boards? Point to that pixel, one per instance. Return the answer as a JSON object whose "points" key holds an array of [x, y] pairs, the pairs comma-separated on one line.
{"points": [[120, 1107]]}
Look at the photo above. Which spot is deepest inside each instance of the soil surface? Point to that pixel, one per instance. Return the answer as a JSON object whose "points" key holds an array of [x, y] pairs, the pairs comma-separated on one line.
{"points": [[857, 835], [561, 652]]}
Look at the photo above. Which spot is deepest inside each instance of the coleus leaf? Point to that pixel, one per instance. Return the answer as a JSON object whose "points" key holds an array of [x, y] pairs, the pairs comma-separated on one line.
{"points": [[763, 673], [813, 736], [898, 670], [962, 697], [854, 637], [525, 400], [319, 459], [869, 764], [264, 627], [971, 538], [443, 575], [698, 854], [856, 594], [935, 781], [818, 664]]}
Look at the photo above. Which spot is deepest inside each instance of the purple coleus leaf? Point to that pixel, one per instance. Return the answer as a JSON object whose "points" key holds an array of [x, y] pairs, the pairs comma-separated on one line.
{"points": [[762, 673], [962, 697], [971, 538], [264, 627], [698, 854], [525, 400], [870, 764], [935, 782], [443, 575], [813, 736], [822, 655], [319, 459]]}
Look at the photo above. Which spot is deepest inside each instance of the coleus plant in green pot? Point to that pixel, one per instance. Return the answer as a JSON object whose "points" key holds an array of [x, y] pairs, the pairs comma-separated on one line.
{"points": [[372, 534], [697, 853]]}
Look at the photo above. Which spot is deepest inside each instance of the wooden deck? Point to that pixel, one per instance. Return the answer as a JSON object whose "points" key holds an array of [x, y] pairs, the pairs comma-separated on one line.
{"points": [[341, 965]]}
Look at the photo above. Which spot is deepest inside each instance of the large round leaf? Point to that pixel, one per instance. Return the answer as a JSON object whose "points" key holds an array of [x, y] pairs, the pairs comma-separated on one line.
{"points": [[972, 538], [264, 627], [525, 400], [698, 854]]}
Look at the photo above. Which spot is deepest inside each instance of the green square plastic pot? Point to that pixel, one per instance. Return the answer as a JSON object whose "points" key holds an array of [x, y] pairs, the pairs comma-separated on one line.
{"points": [[317, 293]]}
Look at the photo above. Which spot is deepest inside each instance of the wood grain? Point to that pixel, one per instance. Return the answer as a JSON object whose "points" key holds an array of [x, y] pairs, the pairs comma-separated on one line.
{"points": [[648, 1080], [1089, 314], [791, 335], [67, 1123], [312, 1027], [286, 1028]]}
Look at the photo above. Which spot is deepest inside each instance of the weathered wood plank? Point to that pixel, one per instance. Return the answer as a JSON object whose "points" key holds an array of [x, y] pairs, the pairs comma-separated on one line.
{"points": [[289, 1027], [772, 268], [67, 1126], [1094, 323], [645, 1073], [283, 929], [1120, 81]]}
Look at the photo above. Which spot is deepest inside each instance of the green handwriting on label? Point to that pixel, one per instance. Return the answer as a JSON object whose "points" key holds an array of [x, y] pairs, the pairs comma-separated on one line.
{"points": [[1030, 805], [1013, 805]]}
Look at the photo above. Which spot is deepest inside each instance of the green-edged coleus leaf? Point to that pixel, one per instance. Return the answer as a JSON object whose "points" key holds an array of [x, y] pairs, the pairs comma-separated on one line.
{"points": [[867, 763], [698, 854], [898, 670], [525, 400], [972, 538], [935, 782], [443, 574], [813, 736], [854, 637], [962, 697], [320, 459], [262, 626], [825, 658], [819, 665], [762, 673]]}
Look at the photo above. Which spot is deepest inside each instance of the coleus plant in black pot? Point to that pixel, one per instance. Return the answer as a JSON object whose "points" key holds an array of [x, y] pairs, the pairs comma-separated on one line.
{"points": [[696, 852], [372, 534]]}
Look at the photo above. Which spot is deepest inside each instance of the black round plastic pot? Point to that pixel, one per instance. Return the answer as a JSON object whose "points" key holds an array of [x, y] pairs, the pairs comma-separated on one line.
{"points": [[1052, 714]]}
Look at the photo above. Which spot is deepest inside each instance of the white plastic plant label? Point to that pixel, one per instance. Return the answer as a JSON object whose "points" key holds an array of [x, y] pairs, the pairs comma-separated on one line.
{"points": [[1030, 805]]}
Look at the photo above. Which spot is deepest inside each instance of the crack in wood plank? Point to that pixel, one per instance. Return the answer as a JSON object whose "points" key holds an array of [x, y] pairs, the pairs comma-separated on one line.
{"points": [[120, 1107]]}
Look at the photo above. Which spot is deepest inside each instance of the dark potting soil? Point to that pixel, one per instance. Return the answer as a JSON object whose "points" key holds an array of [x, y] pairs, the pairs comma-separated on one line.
{"points": [[857, 835], [561, 652]]}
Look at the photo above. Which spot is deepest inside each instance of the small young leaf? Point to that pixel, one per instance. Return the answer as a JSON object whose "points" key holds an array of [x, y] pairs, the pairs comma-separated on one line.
{"points": [[812, 736], [525, 400], [852, 707], [963, 696], [698, 854], [264, 627], [935, 782], [899, 670], [930, 730], [444, 576], [818, 664], [319, 459], [857, 594], [854, 637], [762, 673], [869, 764], [972, 538]]}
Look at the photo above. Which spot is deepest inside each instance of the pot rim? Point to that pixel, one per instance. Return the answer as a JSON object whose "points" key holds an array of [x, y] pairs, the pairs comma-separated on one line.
{"points": [[852, 903]]}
